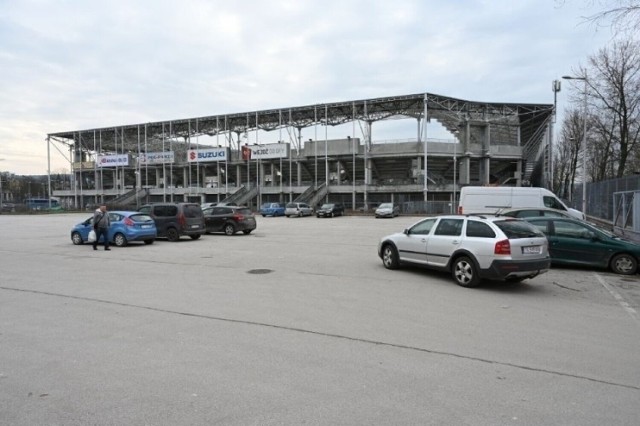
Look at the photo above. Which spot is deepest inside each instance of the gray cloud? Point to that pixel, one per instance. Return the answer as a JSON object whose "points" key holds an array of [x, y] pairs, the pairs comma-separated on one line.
{"points": [[67, 65]]}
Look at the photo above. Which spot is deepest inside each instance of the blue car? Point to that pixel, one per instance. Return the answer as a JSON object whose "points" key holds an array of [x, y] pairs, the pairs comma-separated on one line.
{"points": [[125, 227], [272, 209]]}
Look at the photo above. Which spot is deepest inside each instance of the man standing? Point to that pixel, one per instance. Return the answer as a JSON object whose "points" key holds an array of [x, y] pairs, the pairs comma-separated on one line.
{"points": [[101, 226]]}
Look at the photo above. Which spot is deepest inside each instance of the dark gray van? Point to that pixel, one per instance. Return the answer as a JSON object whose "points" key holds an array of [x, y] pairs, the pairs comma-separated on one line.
{"points": [[176, 219]]}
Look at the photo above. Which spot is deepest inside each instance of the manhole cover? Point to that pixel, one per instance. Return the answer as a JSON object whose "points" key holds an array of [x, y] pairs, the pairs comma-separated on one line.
{"points": [[260, 271]]}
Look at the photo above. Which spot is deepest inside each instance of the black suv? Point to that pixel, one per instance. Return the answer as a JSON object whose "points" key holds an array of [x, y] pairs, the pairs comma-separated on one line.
{"points": [[330, 210], [176, 219], [229, 219]]}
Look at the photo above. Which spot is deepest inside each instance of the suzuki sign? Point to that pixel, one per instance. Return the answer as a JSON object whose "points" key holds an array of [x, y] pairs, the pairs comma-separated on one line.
{"points": [[202, 155]]}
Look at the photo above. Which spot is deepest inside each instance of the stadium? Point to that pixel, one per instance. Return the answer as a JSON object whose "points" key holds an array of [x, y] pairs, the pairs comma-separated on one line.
{"points": [[262, 156]]}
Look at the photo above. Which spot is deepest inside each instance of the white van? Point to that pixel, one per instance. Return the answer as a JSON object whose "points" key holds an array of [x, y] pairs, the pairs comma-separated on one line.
{"points": [[492, 199]]}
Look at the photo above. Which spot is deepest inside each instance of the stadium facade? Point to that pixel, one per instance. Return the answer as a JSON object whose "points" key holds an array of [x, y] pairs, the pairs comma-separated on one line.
{"points": [[214, 158]]}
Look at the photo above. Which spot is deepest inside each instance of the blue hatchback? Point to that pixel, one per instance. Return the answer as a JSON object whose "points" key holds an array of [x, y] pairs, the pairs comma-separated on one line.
{"points": [[272, 209], [125, 227]]}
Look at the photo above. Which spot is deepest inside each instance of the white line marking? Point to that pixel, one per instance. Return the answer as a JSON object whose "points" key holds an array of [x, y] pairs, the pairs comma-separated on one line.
{"points": [[632, 312]]}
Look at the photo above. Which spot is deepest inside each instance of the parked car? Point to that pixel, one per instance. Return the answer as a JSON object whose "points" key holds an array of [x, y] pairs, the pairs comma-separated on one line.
{"points": [[387, 210], [126, 226], [176, 219], [7, 207], [472, 248], [272, 209], [574, 242], [298, 209], [206, 205], [229, 219], [330, 210], [525, 213]]}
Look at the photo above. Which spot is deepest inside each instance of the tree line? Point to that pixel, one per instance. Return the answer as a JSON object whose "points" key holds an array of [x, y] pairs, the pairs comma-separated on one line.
{"points": [[611, 111]]}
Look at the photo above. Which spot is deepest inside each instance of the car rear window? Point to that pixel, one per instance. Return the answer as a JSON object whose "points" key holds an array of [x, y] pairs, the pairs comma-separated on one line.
{"points": [[165, 211], [140, 218], [479, 229], [192, 210], [246, 211], [292, 205], [515, 229]]}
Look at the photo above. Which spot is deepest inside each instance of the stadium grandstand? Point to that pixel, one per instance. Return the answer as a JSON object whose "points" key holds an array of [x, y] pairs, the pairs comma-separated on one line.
{"points": [[261, 156]]}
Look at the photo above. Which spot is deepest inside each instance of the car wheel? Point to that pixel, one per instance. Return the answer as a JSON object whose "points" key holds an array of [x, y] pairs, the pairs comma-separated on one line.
{"points": [[76, 238], [390, 257], [247, 231], [264, 215], [172, 234], [195, 237], [330, 214], [464, 272], [120, 240], [300, 214], [147, 242], [624, 264], [229, 229]]}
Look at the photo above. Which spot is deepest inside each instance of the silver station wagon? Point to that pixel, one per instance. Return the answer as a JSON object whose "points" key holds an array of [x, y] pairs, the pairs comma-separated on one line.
{"points": [[471, 247]]}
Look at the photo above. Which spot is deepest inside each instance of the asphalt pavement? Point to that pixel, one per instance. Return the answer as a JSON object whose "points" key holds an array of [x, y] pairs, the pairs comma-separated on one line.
{"points": [[299, 323]]}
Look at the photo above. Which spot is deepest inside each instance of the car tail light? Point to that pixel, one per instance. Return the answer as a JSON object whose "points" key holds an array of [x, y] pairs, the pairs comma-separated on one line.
{"points": [[238, 217], [182, 220], [502, 247], [128, 222]]}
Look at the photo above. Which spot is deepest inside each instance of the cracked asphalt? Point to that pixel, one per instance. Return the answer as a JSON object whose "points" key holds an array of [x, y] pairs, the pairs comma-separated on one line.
{"points": [[299, 323]]}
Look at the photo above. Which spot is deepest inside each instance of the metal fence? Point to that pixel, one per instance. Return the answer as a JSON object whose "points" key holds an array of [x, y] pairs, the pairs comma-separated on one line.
{"points": [[600, 195]]}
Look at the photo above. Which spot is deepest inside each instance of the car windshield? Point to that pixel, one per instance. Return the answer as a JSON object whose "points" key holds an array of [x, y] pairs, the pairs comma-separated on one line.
{"points": [[327, 206], [386, 206], [605, 231], [514, 229]]}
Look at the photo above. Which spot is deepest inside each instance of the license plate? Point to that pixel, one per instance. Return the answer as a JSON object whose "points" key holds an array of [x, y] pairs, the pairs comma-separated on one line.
{"points": [[145, 226], [532, 250], [195, 226]]}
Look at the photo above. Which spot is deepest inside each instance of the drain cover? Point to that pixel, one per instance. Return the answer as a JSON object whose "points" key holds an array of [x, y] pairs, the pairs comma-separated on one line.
{"points": [[260, 271]]}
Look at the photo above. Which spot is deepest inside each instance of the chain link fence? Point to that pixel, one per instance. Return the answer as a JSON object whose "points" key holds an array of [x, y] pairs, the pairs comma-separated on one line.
{"points": [[600, 198]]}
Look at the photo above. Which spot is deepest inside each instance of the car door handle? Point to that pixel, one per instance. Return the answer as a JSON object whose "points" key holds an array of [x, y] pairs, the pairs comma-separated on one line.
{"points": [[454, 242]]}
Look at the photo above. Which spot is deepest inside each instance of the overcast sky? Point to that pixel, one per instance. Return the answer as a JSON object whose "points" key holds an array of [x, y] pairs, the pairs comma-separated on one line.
{"points": [[72, 65]]}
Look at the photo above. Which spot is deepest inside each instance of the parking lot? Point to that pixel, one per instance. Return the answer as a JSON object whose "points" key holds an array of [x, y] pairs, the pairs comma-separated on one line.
{"points": [[296, 323]]}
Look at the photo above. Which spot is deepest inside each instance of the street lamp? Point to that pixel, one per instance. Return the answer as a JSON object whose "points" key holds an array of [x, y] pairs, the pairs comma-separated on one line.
{"points": [[584, 140], [1, 194]]}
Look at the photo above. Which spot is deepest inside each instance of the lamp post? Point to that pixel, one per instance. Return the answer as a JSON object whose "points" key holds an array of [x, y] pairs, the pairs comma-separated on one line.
{"points": [[1, 194], [584, 140]]}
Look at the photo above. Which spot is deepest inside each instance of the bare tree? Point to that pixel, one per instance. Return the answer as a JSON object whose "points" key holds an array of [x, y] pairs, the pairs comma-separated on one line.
{"points": [[614, 105], [567, 154], [623, 16]]}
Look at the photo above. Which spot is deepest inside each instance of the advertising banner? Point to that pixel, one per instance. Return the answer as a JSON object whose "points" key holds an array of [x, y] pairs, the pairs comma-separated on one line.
{"points": [[113, 160], [202, 155], [265, 152], [156, 157], [84, 165]]}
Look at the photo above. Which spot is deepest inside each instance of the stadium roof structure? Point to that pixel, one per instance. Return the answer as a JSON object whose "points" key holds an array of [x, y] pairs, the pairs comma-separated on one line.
{"points": [[511, 124]]}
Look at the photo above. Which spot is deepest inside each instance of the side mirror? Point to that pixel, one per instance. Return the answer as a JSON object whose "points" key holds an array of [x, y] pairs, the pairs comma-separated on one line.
{"points": [[406, 231]]}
